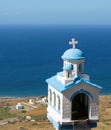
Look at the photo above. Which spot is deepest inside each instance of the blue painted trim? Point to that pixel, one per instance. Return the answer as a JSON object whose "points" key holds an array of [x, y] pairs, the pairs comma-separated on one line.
{"points": [[55, 124], [67, 127], [92, 125], [55, 83], [81, 91]]}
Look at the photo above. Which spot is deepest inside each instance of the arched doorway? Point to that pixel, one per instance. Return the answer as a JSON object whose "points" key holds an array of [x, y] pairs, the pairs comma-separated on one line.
{"points": [[80, 107]]}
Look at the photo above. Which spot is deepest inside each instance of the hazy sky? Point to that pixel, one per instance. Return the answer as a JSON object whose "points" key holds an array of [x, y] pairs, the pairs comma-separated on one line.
{"points": [[55, 11]]}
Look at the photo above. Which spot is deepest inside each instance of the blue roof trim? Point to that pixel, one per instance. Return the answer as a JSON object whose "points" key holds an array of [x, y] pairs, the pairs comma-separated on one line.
{"points": [[92, 84], [54, 82], [81, 91]]}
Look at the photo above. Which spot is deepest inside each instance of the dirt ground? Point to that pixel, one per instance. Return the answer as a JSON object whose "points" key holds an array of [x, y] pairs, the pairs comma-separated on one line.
{"points": [[103, 124], [104, 113], [39, 124], [27, 125]]}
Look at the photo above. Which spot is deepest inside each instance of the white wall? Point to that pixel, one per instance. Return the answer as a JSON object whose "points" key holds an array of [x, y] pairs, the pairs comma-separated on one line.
{"points": [[64, 115], [53, 111], [93, 103]]}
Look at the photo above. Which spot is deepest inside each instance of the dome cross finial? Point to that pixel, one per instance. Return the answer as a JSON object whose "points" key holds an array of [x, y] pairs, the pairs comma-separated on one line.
{"points": [[73, 42]]}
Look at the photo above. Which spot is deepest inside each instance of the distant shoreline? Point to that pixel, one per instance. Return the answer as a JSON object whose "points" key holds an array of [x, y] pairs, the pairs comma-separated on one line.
{"points": [[14, 97], [23, 97]]}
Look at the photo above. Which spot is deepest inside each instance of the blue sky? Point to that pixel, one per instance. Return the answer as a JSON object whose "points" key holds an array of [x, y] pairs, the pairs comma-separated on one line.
{"points": [[55, 11]]}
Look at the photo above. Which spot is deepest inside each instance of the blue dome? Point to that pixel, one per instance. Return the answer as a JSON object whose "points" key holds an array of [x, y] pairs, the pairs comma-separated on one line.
{"points": [[68, 67], [73, 54]]}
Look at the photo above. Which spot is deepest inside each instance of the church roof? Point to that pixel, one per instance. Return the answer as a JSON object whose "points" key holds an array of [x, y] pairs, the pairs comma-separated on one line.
{"points": [[55, 83], [73, 54]]}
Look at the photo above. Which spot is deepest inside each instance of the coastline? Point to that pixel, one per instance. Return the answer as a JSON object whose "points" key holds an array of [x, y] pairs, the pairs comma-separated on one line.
{"points": [[15, 100], [17, 97], [29, 97]]}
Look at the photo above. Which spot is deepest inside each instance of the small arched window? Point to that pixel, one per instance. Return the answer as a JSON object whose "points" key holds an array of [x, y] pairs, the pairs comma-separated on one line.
{"points": [[50, 96], [54, 99], [80, 68], [59, 102], [68, 74]]}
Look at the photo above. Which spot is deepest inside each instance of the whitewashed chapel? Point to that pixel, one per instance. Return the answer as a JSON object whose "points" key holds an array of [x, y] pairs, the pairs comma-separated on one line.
{"points": [[71, 95]]}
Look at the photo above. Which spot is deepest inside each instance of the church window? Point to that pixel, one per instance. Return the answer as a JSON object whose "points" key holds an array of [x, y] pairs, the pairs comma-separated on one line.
{"points": [[59, 102], [80, 67], [50, 96], [54, 99], [68, 74]]}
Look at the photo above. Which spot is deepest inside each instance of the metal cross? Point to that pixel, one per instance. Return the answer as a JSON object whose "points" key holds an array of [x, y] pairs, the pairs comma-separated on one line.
{"points": [[73, 42]]}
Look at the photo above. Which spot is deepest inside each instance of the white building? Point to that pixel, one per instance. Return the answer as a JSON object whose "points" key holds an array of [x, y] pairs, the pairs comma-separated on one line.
{"points": [[71, 95], [19, 106]]}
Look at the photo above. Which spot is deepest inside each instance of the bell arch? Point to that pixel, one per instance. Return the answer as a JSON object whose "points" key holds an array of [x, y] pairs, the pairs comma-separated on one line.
{"points": [[81, 91]]}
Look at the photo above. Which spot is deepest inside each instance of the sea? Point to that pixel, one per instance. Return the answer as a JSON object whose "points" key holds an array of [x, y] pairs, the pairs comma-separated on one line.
{"points": [[29, 54]]}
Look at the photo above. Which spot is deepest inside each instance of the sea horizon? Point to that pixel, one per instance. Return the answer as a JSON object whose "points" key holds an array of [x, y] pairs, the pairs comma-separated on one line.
{"points": [[30, 54]]}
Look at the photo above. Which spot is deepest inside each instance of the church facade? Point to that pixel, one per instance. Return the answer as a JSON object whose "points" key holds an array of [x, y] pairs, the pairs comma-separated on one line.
{"points": [[71, 94]]}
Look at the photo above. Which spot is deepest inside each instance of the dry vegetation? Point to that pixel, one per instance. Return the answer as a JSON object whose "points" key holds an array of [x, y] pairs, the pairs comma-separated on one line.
{"points": [[42, 123], [10, 114], [105, 113]]}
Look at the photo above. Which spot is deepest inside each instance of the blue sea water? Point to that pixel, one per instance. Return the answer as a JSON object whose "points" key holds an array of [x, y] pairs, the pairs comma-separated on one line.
{"points": [[29, 54]]}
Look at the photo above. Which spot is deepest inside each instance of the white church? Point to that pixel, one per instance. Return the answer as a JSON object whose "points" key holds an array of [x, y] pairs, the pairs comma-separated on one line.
{"points": [[72, 96]]}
